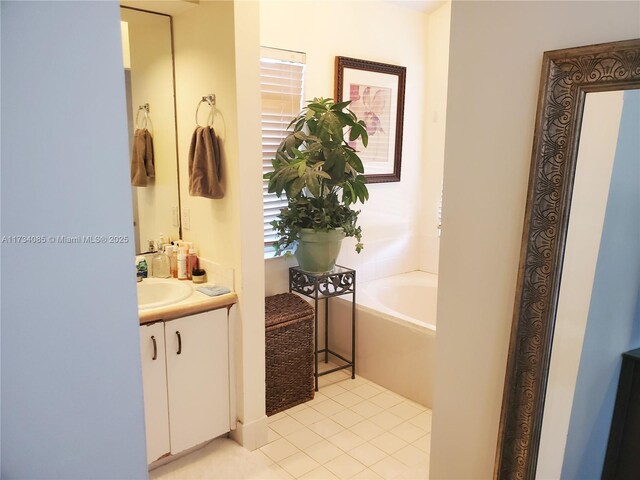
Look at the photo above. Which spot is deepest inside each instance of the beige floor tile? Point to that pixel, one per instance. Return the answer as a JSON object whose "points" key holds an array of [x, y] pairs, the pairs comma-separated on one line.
{"points": [[412, 456], [351, 383], [366, 409], [405, 410], [308, 416], [386, 399], [272, 436], [332, 390], [298, 464], [276, 417], [279, 473], [297, 408], [367, 429], [328, 407], [424, 443], [303, 438], [319, 473], [347, 418], [414, 473], [345, 466], [346, 440], [326, 428], [260, 456], [408, 432], [347, 399], [324, 451], [385, 419], [388, 443], [367, 454], [367, 390], [389, 468], [279, 450], [423, 421], [285, 426], [317, 398], [366, 474]]}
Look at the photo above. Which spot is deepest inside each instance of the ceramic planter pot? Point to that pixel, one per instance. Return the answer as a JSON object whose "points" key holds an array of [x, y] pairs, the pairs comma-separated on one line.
{"points": [[317, 251]]}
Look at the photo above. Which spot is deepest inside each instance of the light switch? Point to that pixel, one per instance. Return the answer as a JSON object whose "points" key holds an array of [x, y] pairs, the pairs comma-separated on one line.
{"points": [[186, 218]]}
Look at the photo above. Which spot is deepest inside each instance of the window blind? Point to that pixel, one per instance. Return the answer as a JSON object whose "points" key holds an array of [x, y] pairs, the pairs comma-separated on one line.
{"points": [[281, 87]]}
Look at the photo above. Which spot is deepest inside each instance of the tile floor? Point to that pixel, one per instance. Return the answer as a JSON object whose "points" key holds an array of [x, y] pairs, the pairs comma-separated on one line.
{"points": [[352, 429]]}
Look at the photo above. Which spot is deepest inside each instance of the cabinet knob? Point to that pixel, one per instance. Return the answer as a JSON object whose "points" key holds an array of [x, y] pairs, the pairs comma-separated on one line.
{"points": [[179, 343], [155, 348]]}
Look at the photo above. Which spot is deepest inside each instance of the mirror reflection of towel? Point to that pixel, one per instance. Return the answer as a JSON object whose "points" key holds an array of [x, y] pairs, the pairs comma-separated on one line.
{"points": [[204, 164], [142, 162]]}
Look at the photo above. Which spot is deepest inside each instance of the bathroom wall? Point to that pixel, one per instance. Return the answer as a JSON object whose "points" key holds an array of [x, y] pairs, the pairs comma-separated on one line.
{"points": [[217, 51], [494, 72], [613, 326], [71, 382], [367, 30], [435, 117]]}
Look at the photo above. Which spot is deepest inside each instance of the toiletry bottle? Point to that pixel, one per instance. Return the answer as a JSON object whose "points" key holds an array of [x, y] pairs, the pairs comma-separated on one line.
{"points": [[192, 262], [174, 261], [161, 242], [161, 265], [182, 265]]}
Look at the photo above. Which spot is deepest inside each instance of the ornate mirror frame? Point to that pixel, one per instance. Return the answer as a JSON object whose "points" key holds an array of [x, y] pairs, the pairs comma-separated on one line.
{"points": [[567, 76]]}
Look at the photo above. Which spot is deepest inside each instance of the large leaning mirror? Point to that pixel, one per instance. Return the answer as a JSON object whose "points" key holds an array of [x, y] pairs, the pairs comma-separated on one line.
{"points": [[149, 78], [579, 267]]}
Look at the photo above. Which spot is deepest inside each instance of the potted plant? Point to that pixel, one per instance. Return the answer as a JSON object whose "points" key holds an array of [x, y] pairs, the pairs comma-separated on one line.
{"points": [[321, 175]]}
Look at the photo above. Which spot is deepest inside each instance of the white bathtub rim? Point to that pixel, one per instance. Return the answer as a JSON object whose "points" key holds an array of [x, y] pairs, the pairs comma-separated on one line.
{"points": [[396, 317]]}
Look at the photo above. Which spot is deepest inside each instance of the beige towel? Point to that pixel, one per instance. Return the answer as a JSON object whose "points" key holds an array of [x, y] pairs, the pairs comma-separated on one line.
{"points": [[142, 162], [204, 164]]}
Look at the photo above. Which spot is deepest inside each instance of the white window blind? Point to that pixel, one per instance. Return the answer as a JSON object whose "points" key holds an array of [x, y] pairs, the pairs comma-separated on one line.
{"points": [[281, 86]]}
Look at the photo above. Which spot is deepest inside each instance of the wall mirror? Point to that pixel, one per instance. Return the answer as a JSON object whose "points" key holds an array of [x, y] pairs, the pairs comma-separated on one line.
{"points": [[581, 227], [149, 76]]}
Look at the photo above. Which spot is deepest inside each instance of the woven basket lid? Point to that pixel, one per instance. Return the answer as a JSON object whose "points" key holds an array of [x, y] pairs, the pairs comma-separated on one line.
{"points": [[285, 307]]}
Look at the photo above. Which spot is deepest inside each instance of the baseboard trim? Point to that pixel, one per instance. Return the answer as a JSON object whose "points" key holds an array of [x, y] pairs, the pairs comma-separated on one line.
{"points": [[251, 435]]}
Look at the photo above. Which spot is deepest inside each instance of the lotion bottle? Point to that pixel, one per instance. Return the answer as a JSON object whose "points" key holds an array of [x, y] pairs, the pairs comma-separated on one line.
{"points": [[182, 265], [174, 261], [192, 262]]}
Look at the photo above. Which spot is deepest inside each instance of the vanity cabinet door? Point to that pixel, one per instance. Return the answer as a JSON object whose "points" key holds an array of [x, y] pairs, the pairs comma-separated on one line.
{"points": [[198, 378], [154, 382]]}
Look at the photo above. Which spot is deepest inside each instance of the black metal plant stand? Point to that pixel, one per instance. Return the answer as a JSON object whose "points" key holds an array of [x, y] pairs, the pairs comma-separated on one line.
{"points": [[340, 281]]}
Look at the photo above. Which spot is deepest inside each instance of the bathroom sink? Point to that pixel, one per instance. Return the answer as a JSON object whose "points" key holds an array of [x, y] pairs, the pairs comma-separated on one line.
{"points": [[158, 292]]}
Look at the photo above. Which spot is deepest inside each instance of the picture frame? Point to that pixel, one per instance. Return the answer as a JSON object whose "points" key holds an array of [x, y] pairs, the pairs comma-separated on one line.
{"points": [[377, 92]]}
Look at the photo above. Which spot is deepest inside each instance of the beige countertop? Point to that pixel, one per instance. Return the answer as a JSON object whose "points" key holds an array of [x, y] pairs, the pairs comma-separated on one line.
{"points": [[196, 303]]}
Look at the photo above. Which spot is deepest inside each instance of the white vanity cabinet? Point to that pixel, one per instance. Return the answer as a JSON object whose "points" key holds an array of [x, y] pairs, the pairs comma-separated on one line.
{"points": [[188, 402], [154, 382]]}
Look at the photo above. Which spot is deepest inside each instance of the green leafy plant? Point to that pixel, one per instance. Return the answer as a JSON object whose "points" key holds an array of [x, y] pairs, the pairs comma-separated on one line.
{"points": [[320, 173]]}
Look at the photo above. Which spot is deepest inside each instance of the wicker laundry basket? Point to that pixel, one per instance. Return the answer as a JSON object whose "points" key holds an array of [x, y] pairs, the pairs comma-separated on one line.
{"points": [[289, 352]]}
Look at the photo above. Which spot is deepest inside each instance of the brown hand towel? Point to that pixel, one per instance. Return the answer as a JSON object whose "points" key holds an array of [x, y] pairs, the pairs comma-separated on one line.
{"points": [[204, 164], [142, 162]]}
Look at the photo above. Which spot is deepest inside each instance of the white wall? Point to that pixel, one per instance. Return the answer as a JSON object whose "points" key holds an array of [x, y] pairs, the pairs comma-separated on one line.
{"points": [[217, 51], [435, 108], [494, 72], [389, 219], [71, 379]]}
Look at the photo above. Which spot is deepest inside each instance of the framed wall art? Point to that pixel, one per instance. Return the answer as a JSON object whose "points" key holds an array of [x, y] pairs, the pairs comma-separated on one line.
{"points": [[376, 91]]}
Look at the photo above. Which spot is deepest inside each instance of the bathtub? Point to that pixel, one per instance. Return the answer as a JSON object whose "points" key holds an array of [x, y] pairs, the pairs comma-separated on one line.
{"points": [[395, 332]]}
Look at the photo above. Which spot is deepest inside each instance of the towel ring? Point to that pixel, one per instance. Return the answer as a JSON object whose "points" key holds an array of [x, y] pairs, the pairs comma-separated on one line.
{"points": [[145, 119], [211, 101]]}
